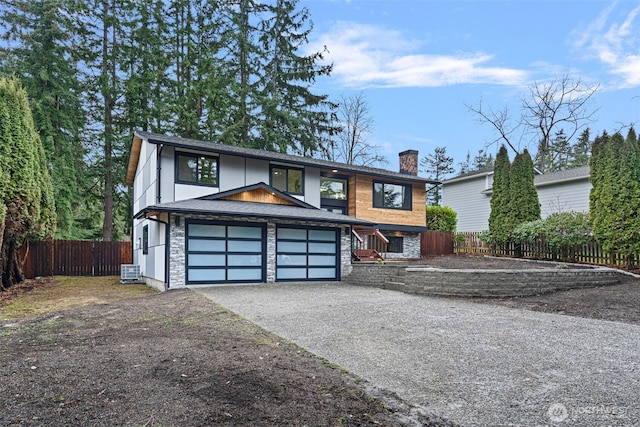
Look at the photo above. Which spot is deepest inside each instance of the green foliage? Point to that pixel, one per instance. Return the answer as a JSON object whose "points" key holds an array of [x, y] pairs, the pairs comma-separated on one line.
{"points": [[46, 62], [514, 200], [615, 195], [437, 165], [27, 207], [499, 218], [524, 206], [441, 218], [563, 232]]}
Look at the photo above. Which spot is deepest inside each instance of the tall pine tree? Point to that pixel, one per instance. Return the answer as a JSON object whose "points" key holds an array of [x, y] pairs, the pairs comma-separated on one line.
{"points": [[45, 33]]}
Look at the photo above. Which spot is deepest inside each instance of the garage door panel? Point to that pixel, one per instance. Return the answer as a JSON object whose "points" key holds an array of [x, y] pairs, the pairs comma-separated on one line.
{"points": [[307, 253], [244, 246], [244, 274], [225, 252], [245, 260], [203, 260], [206, 245], [206, 230], [206, 274], [322, 273]]}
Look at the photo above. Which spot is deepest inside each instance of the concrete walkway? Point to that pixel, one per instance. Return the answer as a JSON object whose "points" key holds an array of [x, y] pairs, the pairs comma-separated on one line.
{"points": [[474, 364]]}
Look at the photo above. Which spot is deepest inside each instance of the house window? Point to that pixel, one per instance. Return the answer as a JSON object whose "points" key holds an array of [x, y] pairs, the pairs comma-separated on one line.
{"points": [[145, 240], [391, 196], [333, 193], [197, 169], [289, 180], [395, 245]]}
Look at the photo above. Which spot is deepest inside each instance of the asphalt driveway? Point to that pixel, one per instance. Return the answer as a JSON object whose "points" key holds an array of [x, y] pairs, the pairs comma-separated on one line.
{"points": [[474, 364]]}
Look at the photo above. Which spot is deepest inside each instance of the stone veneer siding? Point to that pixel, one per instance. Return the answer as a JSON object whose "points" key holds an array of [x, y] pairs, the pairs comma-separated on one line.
{"points": [[177, 259], [410, 247]]}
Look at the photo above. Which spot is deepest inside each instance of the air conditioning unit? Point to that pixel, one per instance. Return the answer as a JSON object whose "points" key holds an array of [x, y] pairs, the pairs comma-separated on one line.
{"points": [[130, 273]]}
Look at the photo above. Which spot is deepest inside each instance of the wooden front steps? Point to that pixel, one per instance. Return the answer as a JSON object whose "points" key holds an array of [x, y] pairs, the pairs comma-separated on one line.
{"points": [[366, 255]]}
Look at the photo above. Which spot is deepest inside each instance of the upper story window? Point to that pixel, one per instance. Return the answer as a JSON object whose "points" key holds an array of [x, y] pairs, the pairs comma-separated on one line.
{"points": [[196, 169], [333, 193], [391, 196], [288, 180], [333, 188]]}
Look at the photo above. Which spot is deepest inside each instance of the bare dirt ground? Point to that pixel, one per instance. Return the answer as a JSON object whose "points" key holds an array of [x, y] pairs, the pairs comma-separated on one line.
{"points": [[173, 359], [136, 358]]}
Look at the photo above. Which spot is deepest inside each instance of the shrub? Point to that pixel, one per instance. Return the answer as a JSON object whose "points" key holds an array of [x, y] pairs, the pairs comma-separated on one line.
{"points": [[441, 218]]}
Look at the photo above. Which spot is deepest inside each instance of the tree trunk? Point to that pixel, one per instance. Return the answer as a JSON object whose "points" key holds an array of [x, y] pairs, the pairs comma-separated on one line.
{"points": [[107, 226]]}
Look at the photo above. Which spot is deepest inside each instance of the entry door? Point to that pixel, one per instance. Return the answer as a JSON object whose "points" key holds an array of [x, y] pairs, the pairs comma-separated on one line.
{"points": [[307, 253], [225, 252]]}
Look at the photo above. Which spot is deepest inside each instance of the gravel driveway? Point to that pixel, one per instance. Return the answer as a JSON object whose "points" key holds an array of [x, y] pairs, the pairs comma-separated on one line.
{"points": [[473, 364]]}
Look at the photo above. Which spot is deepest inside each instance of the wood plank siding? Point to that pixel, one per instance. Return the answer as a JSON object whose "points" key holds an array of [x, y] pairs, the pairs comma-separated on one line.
{"points": [[361, 204]]}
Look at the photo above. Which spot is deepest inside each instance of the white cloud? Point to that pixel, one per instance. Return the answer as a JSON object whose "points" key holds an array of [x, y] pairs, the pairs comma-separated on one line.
{"points": [[367, 56], [615, 45]]}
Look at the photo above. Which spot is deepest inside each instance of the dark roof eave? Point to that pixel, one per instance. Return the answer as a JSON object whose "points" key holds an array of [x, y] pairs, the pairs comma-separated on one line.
{"points": [[163, 209]]}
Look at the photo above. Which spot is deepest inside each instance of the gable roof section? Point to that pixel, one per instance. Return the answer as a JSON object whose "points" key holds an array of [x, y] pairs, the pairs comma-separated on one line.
{"points": [[259, 193], [213, 147]]}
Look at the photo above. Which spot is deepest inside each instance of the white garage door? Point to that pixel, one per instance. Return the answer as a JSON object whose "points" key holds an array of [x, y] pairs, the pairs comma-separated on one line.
{"points": [[307, 253], [225, 252]]}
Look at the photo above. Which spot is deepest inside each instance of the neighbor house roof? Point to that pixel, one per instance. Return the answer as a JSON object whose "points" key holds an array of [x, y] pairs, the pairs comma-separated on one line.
{"points": [[250, 209], [539, 180], [213, 147]]}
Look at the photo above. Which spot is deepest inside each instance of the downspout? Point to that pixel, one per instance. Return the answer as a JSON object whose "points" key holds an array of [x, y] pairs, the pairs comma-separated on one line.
{"points": [[166, 248], [158, 170]]}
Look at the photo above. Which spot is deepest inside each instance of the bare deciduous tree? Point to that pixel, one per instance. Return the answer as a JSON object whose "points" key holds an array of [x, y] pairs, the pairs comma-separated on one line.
{"points": [[561, 103], [350, 145]]}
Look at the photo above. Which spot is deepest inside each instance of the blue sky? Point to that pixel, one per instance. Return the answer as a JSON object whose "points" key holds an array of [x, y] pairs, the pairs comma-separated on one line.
{"points": [[418, 62]]}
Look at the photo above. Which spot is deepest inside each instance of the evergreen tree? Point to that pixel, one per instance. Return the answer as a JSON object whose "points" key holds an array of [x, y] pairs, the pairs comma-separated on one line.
{"points": [[525, 205], [27, 207], [499, 218], [615, 196], [580, 150], [465, 166], [45, 33], [437, 165], [292, 117], [560, 152], [483, 161], [607, 207]]}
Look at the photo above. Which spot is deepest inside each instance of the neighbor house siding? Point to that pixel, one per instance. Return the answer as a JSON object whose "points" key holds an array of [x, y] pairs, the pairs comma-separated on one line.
{"points": [[570, 196], [466, 199], [473, 208]]}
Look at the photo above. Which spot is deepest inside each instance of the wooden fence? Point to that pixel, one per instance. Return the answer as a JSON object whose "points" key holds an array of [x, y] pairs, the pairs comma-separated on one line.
{"points": [[436, 243], [75, 258], [590, 253]]}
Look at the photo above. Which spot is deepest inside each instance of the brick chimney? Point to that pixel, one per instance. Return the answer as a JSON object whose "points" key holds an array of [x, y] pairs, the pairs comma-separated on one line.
{"points": [[409, 162]]}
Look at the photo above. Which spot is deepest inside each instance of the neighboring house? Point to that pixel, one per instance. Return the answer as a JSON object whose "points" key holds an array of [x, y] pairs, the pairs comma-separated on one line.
{"points": [[470, 195], [207, 213]]}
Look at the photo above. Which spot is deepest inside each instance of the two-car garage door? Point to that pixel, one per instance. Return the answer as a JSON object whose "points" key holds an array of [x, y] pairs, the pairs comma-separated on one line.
{"points": [[218, 252]]}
